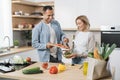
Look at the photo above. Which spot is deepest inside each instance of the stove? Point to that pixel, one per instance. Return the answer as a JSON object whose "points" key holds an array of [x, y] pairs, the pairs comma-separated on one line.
{"points": [[110, 34]]}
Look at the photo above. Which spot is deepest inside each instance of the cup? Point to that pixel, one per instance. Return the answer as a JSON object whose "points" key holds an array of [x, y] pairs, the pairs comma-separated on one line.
{"points": [[85, 67]]}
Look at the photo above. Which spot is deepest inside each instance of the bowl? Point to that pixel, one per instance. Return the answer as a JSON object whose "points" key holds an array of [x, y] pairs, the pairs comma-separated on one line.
{"points": [[67, 54]]}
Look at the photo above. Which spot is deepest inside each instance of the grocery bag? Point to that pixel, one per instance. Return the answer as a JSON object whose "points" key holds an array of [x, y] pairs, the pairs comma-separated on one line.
{"points": [[97, 69]]}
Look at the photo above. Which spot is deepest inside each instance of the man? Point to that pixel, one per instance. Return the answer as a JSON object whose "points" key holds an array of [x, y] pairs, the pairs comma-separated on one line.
{"points": [[45, 33]]}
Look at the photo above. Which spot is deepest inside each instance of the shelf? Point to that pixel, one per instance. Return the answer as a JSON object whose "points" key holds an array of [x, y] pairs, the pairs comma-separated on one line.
{"points": [[51, 3], [23, 16], [24, 29]]}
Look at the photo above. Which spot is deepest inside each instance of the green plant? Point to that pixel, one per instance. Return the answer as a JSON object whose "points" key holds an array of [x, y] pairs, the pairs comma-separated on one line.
{"points": [[16, 43], [102, 52]]}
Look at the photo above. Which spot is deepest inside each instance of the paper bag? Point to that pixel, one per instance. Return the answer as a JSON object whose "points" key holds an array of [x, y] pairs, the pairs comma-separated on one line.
{"points": [[97, 69]]}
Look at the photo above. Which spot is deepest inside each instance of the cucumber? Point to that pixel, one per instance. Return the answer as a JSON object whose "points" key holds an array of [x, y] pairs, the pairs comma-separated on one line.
{"points": [[33, 70]]}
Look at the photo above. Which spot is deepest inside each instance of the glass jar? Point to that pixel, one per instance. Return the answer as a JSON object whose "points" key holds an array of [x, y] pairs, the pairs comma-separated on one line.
{"points": [[85, 67]]}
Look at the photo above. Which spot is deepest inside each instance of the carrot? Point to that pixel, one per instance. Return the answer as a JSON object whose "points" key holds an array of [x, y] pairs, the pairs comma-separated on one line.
{"points": [[96, 54]]}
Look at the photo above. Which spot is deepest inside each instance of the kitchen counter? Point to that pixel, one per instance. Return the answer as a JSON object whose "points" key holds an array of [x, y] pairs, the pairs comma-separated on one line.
{"points": [[71, 73], [16, 50]]}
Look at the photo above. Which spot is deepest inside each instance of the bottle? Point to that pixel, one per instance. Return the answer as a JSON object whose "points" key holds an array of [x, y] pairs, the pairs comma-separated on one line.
{"points": [[85, 67], [73, 37], [73, 43]]}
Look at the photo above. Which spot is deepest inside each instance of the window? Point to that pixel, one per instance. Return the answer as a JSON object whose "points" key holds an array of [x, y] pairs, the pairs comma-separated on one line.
{"points": [[5, 23]]}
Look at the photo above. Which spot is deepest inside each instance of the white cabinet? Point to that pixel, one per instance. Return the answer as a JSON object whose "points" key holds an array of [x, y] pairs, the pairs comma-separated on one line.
{"points": [[31, 53]]}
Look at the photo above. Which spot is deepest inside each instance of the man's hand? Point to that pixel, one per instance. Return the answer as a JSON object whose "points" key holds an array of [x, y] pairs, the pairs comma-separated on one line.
{"points": [[49, 45]]}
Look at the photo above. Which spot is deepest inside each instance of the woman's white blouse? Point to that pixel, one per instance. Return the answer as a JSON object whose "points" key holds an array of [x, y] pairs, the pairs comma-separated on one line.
{"points": [[83, 42]]}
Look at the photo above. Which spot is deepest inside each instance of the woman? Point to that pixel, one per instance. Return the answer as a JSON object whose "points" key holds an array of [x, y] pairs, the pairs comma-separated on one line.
{"points": [[84, 40]]}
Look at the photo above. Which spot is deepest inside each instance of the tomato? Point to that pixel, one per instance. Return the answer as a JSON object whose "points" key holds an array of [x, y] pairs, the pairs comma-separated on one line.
{"points": [[45, 65], [53, 70], [28, 59]]}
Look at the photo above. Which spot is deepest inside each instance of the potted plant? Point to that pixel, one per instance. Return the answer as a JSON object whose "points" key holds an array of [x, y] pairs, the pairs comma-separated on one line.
{"points": [[16, 43]]}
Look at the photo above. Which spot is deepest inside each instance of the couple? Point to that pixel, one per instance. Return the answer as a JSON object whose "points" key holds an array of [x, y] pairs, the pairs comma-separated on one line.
{"points": [[48, 31]]}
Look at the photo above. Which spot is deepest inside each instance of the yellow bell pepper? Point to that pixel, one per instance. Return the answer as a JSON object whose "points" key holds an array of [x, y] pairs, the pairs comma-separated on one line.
{"points": [[61, 67]]}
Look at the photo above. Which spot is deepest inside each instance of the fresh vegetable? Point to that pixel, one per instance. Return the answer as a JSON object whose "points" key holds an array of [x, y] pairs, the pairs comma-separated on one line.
{"points": [[61, 67], [102, 52], [96, 54], [90, 54], [67, 54], [33, 70], [45, 65], [28, 59], [53, 70], [18, 59], [109, 51]]}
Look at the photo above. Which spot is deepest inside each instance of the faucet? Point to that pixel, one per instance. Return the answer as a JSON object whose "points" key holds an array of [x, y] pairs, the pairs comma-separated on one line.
{"points": [[8, 42]]}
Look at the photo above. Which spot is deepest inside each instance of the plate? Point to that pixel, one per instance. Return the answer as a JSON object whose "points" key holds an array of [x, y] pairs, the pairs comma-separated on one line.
{"points": [[61, 46]]}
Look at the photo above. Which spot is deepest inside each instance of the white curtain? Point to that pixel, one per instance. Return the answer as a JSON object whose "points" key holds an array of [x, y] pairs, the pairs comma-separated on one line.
{"points": [[5, 23]]}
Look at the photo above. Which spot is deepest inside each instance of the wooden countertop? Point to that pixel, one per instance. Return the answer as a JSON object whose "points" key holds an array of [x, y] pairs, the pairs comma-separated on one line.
{"points": [[71, 73], [16, 50]]}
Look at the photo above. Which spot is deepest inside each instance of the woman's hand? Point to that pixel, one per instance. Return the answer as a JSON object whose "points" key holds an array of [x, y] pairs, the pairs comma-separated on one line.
{"points": [[78, 55], [66, 40], [73, 55], [84, 55]]}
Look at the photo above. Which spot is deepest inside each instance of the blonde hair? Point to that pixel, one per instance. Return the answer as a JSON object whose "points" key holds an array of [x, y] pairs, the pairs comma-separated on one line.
{"points": [[85, 20]]}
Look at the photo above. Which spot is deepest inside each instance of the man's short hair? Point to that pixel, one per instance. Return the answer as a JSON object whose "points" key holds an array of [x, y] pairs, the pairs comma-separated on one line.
{"points": [[47, 8]]}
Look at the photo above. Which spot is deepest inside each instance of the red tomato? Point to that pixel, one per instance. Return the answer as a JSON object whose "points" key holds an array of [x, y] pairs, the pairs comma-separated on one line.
{"points": [[45, 65], [53, 70], [28, 59]]}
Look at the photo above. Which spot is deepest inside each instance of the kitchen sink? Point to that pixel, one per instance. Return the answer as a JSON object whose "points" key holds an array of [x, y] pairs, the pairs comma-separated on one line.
{"points": [[4, 51]]}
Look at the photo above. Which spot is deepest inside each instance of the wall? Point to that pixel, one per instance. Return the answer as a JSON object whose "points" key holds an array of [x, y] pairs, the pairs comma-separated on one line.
{"points": [[5, 23], [99, 12], [70, 33]]}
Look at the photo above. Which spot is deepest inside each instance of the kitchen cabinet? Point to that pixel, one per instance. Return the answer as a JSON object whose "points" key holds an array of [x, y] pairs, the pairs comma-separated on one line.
{"points": [[25, 14], [30, 53]]}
